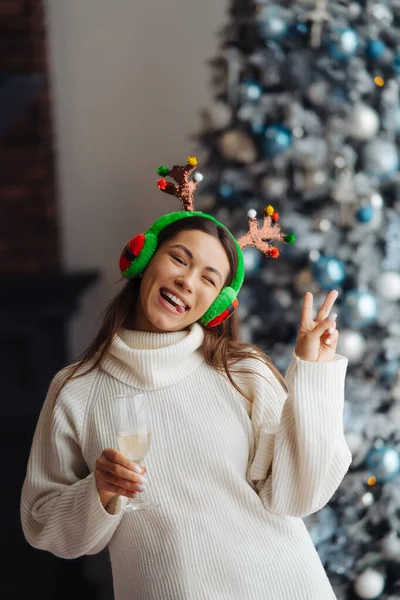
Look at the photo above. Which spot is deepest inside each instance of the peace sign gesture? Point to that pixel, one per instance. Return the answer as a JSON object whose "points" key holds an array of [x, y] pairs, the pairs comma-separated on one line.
{"points": [[317, 340]]}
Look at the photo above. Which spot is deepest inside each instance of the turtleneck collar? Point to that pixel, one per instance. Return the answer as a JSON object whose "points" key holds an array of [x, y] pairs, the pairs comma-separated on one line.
{"points": [[151, 361]]}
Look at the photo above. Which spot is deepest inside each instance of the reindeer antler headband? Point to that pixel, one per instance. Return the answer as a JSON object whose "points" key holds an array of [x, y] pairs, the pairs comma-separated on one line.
{"points": [[139, 251], [258, 237]]}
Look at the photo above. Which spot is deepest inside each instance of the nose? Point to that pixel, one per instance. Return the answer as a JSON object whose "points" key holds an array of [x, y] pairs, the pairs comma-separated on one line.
{"points": [[185, 282]]}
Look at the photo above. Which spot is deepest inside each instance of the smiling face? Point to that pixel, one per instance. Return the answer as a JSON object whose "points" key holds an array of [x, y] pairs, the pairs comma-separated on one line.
{"points": [[181, 282]]}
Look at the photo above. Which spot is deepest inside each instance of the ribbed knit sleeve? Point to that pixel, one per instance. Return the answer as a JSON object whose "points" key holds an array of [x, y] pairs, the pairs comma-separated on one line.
{"points": [[301, 455], [60, 507]]}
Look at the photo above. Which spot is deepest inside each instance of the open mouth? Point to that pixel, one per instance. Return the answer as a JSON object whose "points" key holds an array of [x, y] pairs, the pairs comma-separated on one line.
{"points": [[173, 301]]}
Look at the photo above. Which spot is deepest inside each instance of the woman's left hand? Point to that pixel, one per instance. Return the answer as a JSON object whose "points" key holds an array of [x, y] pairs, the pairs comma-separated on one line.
{"points": [[317, 340]]}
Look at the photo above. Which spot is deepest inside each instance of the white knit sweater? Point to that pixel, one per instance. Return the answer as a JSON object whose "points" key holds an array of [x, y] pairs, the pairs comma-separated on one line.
{"points": [[228, 528]]}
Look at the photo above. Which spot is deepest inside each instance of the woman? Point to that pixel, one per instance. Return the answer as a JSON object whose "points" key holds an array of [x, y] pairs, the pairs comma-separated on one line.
{"points": [[236, 460]]}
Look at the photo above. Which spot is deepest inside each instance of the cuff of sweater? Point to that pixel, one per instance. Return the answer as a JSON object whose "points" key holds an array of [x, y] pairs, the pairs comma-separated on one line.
{"points": [[317, 370], [318, 386]]}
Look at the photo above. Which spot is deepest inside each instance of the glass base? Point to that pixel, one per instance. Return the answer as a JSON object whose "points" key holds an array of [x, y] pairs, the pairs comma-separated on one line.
{"points": [[140, 504]]}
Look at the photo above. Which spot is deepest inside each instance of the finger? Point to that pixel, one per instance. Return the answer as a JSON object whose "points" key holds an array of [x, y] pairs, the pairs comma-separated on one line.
{"points": [[323, 327], [119, 482], [120, 472], [306, 311], [103, 486], [118, 458], [331, 339], [327, 305]]}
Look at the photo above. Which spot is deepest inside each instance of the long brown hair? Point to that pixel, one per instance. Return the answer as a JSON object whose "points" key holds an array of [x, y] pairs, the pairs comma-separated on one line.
{"points": [[222, 347]]}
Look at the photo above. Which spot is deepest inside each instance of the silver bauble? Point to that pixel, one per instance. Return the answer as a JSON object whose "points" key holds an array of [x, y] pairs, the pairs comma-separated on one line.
{"points": [[380, 158], [388, 286], [362, 122], [369, 585], [352, 345]]}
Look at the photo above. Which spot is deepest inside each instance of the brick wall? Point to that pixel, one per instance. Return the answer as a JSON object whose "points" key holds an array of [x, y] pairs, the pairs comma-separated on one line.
{"points": [[28, 218]]}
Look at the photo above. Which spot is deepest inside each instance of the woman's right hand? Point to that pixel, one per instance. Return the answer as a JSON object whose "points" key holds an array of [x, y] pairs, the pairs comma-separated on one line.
{"points": [[116, 475]]}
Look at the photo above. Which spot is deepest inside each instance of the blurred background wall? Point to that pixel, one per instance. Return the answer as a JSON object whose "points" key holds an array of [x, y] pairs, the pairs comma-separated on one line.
{"points": [[128, 81]]}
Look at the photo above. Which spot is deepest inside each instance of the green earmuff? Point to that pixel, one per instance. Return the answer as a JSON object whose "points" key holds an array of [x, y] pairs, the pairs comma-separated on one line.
{"points": [[140, 250]]}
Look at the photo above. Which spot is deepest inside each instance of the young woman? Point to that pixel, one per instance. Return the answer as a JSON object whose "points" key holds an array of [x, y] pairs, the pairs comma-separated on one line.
{"points": [[237, 458]]}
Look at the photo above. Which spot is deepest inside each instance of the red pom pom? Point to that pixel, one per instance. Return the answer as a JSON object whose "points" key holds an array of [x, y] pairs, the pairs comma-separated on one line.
{"points": [[136, 244], [162, 183], [275, 216], [274, 253], [123, 263]]}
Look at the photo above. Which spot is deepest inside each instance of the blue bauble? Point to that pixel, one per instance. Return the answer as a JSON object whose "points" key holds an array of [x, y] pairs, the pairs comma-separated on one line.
{"points": [[343, 43], [329, 271], [273, 22], [380, 158], [384, 463], [252, 259], [250, 91], [359, 309], [365, 213], [277, 139], [375, 48], [226, 190], [396, 63]]}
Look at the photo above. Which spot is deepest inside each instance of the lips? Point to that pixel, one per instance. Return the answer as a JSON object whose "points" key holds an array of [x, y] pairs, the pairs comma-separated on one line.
{"points": [[175, 309], [165, 289]]}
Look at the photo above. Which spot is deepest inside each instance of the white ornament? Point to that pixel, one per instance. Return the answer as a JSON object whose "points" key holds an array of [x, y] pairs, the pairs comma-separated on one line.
{"points": [[220, 115], [369, 585], [252, 213], [367, 499], [363, 122], [198, 177], [352, 345], [388, 285]]}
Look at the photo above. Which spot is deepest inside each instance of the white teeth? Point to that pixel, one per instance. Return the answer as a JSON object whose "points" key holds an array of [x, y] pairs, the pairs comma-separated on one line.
{"points": [[174, 298]]}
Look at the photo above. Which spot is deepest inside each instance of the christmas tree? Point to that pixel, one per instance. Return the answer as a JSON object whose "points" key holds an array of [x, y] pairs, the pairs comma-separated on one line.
{"points": [[306, 124]]}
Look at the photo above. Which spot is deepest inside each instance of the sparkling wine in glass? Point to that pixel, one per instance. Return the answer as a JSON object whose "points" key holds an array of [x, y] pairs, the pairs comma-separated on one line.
{"points": [[132, 426]]}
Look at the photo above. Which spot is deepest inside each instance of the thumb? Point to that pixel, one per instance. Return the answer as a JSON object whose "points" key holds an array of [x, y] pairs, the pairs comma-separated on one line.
{"points": [[322, 327]]}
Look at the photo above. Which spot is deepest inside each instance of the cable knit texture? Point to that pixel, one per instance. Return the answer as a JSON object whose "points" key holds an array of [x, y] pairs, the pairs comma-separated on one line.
{"points": [[234, 478]]}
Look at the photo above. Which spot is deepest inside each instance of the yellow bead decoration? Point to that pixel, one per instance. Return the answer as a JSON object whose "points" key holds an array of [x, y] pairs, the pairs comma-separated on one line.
{"points": [[371, 480], [269, 210], [192, 161]]}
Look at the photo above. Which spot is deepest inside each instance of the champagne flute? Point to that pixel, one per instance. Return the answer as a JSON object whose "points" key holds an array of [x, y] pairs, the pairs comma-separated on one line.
{"points": [[132, 425]]}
